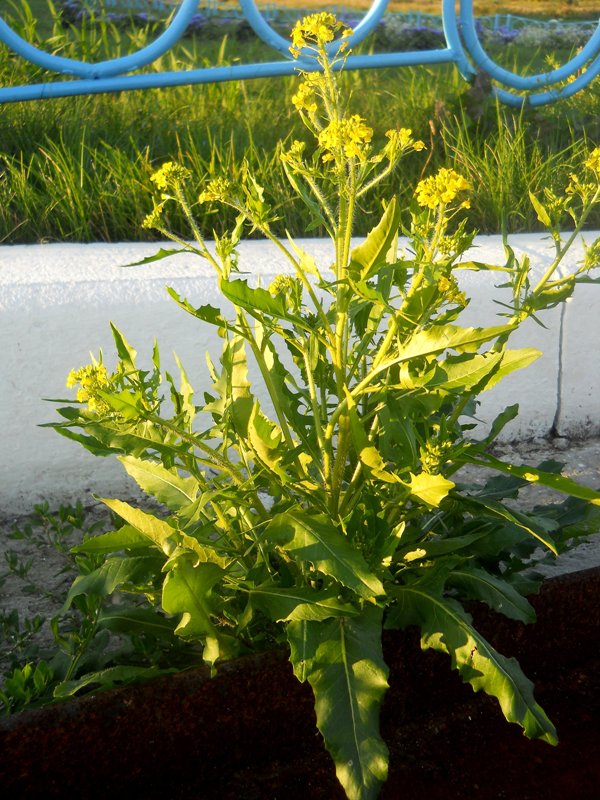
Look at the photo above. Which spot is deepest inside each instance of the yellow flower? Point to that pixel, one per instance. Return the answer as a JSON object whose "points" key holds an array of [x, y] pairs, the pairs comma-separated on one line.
{"points": [[350, 135], [593, 161], [153, 219], [316, 30], [440, 189], [92, 379], [169, 175], [217, 189], [402, 139], [305, 99]]}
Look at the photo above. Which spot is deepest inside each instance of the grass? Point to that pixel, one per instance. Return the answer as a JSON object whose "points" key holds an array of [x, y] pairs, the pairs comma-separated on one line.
{"points": [[77, 169]]}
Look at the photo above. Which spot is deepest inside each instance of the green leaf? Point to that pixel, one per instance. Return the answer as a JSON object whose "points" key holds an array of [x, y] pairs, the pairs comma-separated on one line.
{"points": [[525, 522], [135, 619], [125, 351], [376, 466], [108, 679], [314, 539], [481, 370], [497, 593], [446, 627], [448, 337], [430, 489], [256, 300], [532, 475], [553, 294], [130, 405], [371, 254], [114, 572], [299, 603], [205, 313], [165, 484], [343, 662], [187, 590], [156, 257], [541, 212], [156, 530], [125, 538], [265, 439]]}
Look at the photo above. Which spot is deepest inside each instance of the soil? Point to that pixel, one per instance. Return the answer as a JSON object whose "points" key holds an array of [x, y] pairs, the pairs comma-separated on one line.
{"points": [[249, 733]]}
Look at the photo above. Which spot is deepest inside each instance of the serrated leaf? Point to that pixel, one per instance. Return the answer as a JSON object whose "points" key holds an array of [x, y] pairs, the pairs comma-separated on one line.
{"points": [[206, 313], [130, 405], [446, 627], [125, 538], [299, 603], [156, 530], [482, 370], [314, 539], [114, 572], [495, 592], [343, 662], [165, 484], [187, 590], [448, 337], [533, 475], [257, 300], [376, 466], [156, 257]]}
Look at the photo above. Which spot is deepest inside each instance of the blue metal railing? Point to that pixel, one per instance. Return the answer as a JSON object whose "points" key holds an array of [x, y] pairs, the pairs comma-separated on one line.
{"points": [[463, 49]]}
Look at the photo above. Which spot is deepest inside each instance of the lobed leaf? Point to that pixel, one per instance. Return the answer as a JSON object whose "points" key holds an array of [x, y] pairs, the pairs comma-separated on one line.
{"points": [[343, 661], [155, 530], [165, 484], [446, 627]]}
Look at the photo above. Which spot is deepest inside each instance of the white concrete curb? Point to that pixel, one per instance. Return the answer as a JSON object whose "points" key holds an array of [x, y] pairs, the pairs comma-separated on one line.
{"points": [[56, 302]]}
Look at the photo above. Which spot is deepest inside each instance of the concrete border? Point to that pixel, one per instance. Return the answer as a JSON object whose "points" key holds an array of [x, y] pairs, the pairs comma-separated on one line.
{"points": [[56, 301]]}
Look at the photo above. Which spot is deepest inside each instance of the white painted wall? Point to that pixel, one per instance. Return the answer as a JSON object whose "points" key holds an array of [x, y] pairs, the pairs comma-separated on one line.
{"points": [[56, 301]]}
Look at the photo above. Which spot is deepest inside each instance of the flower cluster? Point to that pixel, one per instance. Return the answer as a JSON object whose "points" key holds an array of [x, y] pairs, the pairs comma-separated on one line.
{"points": [[305, 99], [169, 176], [587, 188], [351, 135], [441, 189], [289, 289], [316, 30], [154, 218], [92, 379], [216, 190], [592, 162]]}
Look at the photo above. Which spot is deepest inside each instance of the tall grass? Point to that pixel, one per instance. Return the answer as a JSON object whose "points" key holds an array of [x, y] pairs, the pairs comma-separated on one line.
{"points": [[78, 168]]}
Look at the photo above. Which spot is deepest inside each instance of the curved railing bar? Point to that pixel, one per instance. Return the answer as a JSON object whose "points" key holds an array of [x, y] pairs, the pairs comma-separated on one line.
{"points": [[508, 78], [543, 98], [103, 69], [450, 25]]}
